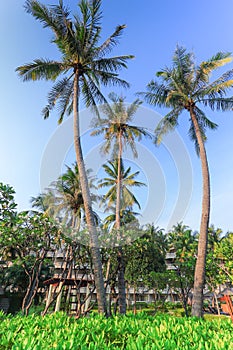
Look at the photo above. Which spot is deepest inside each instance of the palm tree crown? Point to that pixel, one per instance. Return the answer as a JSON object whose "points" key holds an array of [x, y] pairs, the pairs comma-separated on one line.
{"points": [[81, 53], [185, 86], [117, 126]]}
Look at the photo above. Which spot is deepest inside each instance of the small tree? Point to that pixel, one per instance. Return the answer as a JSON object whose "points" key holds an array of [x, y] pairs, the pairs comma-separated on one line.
{"points": [[183, 242], [145, 258], [7, 206], [31, 237]]}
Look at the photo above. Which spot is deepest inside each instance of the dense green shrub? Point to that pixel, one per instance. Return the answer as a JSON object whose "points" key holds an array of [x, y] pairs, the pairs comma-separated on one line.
{"points": [[140, 332]]}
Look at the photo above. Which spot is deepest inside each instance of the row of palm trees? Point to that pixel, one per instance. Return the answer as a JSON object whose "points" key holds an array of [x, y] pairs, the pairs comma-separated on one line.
{"points": [[63, 200], [85, 66]]}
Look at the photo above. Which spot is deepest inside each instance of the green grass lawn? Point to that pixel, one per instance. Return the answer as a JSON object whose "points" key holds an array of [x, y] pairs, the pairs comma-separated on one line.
{"points": [[142, 331]]}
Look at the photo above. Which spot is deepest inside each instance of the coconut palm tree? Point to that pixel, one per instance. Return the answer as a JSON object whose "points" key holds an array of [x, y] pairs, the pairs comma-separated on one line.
{"points": [[128, 199], [128, 180], [128, 216], [41, 202], [184, 87], [85, 64], [66, 197], [119, 132], [182, 239]]}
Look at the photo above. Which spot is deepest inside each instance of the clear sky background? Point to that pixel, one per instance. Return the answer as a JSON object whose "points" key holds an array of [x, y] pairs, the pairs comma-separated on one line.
{"points": [[154, 28]]}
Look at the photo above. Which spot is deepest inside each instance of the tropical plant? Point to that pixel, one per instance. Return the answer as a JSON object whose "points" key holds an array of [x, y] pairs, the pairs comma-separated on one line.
{"points": [[119, 132], [184, 87], [182, 243], [41, 202], [224, 253], [144, 258], [7, 205], [130, 333], [128, 219], [218, 261], [8, 216], [128, 180], [31, 237], [85, 65]]}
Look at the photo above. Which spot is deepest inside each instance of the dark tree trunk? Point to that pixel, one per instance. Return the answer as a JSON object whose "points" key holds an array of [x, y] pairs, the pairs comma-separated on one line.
{"points": [[33, 285], [184, 296]]}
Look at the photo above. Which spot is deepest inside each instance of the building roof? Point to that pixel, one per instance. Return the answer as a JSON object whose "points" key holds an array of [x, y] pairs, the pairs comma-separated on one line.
{"points": [[79, 282]]}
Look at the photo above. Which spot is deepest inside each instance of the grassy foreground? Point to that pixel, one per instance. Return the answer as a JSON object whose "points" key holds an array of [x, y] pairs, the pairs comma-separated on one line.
{"points": [[140, 332]]}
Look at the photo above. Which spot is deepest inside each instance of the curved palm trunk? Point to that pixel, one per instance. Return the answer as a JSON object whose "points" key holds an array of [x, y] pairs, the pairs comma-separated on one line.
{"points": [[94, 244], [199, 276], [120, 257]]}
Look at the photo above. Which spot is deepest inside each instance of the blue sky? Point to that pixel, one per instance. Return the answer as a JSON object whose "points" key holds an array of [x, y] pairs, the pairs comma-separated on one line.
{"points": [[153, 30]]}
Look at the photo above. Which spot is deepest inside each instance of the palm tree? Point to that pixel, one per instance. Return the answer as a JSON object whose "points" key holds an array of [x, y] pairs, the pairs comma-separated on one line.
{"points": [[128, 180], [66, 200], [68, 197], [128, 199], [41, 202], [182, 239], [128, 216], [118, 133], [184, 87], [84, 65]]}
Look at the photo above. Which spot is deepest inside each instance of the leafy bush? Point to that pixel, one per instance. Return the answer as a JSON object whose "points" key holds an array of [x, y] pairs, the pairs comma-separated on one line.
{"points": [[58, 331]]}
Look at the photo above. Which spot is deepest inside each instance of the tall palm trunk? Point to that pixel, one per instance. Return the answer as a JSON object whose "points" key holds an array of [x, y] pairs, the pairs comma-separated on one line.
{"points": [[120, 257], [199, 277], [119, 184], [94, 244]]}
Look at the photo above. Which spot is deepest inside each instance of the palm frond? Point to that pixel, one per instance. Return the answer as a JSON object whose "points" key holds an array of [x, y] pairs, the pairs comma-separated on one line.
{"points": [[216, 61], [111, 79], [51, 17], [40, 69], [61, 90], [156, 93], [111, 64], [219, 104], [203, 124], [110, 42], [183, 60], [91, 94], [91, 14], [89, 27], [167, 124], [128, 198], [203, 121], [204, 70], [133, 107], [193, 137], [66, 102], [217, 88]]}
